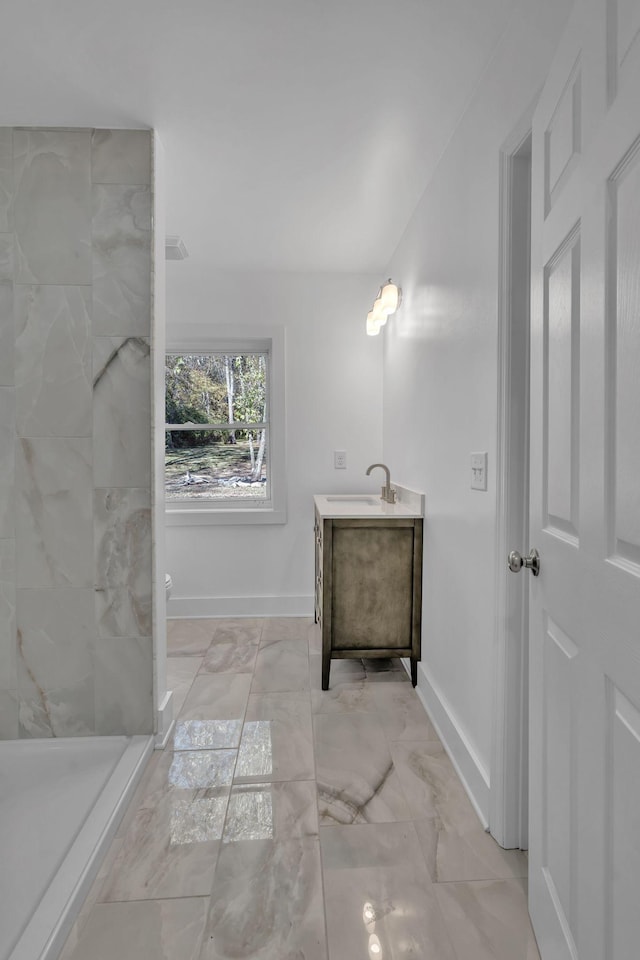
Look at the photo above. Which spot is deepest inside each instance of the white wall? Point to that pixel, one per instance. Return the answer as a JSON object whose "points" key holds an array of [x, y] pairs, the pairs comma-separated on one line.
{"points": [[333, 401], [440, 387]]}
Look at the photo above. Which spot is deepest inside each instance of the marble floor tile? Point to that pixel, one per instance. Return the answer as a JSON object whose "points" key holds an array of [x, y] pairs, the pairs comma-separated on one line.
{"points": [[488, 919], [348, 689], [234, 647], [213, 712], [230, 658], [206, 734], [277, 738], [136, 801], [266, 902], [169, 851], [314, 634], [281, 665], [217, 698], [272, 811], [430, 783], [235, 829], [239, 629], [181, 672], [357, 782], [145, 930], [286, 628], [189, 638], [378, 895], [187, 769], [401, 713], [465, 851]]}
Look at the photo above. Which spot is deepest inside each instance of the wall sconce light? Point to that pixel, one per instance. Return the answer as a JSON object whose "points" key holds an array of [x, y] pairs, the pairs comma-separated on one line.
{"points": [[387, 302]]}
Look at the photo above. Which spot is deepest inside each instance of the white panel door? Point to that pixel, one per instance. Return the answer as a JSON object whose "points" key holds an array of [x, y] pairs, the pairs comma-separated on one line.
{"points": [[584, 855]]}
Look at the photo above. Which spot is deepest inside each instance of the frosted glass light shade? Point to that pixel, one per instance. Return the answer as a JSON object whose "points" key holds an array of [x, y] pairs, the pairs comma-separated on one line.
{"points": [[373, 324], [389, 297], [386, 303]]}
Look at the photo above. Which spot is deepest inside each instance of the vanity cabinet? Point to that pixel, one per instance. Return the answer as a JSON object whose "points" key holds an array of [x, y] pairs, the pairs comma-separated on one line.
{"points": [[368, 588]]}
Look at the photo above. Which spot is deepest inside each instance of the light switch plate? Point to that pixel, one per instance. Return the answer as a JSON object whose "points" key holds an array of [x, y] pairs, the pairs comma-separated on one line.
{"points": [[478, 471]]}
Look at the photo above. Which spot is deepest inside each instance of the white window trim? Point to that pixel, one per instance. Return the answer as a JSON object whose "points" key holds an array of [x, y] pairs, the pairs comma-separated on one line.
{"points": [[195, 338]]}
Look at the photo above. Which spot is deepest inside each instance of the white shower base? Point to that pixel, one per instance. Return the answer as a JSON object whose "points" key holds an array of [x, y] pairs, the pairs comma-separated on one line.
{"points": [[61, 801]]}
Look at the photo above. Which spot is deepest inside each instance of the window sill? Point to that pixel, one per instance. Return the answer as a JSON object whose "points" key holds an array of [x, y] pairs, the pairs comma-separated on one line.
{"points": [[222, 516]]}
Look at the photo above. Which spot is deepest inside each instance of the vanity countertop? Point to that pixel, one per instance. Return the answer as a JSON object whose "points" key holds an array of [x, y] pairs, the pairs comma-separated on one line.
{"points": [[364, 505]]}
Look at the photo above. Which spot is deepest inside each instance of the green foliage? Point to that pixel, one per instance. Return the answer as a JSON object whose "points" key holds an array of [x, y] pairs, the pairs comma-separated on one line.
{"points": [[213, 388]]}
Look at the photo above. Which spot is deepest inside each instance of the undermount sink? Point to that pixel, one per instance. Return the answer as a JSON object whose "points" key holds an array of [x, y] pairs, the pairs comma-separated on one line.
{"points": [[354, 498]]}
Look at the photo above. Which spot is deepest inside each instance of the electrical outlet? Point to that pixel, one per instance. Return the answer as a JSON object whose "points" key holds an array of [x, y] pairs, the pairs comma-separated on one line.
{"points": [[340, 459], [478, 471]]}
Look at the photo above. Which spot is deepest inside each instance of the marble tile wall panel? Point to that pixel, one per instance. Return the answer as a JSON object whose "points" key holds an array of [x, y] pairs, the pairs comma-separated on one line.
{"points": [[7, 462], [121, 260], [52, 206], [54, 515], [55, 662], [124, 686], [122, 412], [7, 615], [8, 663], [53, 362], [122, 544], [121, 156], [6, 335], [6, 179], [6, 257], [9, 729]]}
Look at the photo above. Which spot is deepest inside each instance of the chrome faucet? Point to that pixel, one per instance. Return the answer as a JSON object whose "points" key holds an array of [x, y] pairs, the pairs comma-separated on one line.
{"points": [[388, 493]]}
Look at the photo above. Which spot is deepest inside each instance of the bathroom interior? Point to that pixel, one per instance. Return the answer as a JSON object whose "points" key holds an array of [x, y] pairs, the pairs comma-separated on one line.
{"points": [[288, 249]]}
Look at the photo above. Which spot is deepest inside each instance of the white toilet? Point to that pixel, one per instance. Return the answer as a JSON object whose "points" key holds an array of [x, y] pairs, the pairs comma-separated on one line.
{"points": [[168, 584]]}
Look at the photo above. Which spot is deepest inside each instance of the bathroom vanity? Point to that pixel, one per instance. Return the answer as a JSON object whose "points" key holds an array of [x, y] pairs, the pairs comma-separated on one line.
{"points": [[368, 588]]}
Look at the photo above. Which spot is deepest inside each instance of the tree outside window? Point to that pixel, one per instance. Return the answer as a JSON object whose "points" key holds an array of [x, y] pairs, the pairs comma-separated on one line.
{"points": [[217, 426]]}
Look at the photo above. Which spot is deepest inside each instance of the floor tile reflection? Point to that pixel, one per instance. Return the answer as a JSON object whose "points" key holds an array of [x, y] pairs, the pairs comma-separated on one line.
{"points": [[272, 811], [277, 739], [202, 769], [206, 734], [378, 894]]}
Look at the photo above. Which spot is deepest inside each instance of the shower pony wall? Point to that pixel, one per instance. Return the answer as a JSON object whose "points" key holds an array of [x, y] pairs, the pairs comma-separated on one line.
{"points": [[80, 348], [76, 654]]}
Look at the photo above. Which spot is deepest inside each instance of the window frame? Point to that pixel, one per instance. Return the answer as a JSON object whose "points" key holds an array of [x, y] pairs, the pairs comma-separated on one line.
{"points": [[201, 339]]}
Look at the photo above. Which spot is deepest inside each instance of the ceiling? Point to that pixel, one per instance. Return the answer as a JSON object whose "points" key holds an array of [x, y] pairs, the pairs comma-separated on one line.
{"points": [[299, 134]]}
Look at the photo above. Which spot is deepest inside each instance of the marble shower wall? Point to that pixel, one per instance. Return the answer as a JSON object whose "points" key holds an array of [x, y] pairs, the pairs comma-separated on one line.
{"points": [[76, 654]]}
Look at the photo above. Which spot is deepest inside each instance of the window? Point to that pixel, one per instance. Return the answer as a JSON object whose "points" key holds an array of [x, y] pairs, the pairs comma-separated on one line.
{"points": [[224, 429]]}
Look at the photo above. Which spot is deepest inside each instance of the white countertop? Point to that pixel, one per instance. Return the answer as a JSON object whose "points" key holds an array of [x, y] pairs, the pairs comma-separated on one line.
{"points": [[362, 505]]}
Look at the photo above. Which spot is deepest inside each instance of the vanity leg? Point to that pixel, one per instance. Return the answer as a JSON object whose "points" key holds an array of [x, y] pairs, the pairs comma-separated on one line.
{"points": [[326, 666], [414, 671]]}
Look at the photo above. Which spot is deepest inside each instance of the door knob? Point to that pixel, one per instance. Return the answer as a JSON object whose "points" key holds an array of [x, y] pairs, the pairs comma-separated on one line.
{"points": [[516, 561]]}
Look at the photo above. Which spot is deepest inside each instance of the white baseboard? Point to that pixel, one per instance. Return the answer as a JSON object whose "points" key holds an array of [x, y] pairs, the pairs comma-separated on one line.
{"points": [[186, 607], [165, 720], [470, 769]]}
